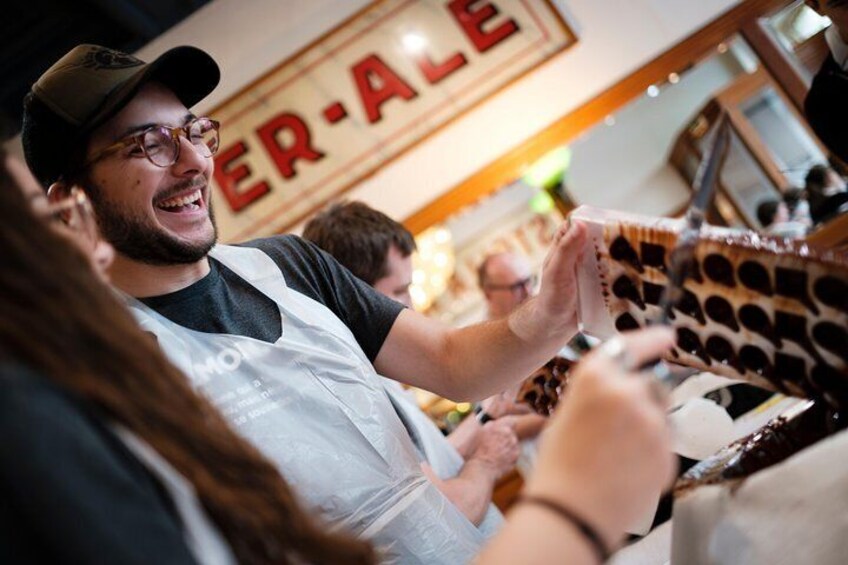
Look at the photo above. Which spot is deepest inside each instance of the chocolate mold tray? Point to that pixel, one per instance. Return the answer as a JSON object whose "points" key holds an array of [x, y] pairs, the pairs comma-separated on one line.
{"points": [[769, 311]]}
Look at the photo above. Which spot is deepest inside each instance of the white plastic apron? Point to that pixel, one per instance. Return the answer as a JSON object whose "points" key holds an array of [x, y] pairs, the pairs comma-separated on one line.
{"points": [[442, 457], [313, 404]]}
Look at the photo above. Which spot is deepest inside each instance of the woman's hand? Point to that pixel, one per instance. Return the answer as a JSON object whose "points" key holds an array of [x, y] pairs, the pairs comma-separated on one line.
{"points": [[607, 452]]}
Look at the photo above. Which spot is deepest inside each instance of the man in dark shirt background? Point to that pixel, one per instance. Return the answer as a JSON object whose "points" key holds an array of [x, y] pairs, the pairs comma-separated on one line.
{"points": [[826, 104]]}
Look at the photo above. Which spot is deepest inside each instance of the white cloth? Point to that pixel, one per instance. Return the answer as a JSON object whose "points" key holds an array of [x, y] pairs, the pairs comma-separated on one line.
{"points": [[313, 404], [838, 48]]}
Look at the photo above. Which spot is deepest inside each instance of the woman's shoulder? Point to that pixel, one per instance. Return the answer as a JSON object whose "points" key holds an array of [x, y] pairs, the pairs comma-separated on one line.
{"points": [[27, 395], [66, 478], [40, 421], [24, 390]]}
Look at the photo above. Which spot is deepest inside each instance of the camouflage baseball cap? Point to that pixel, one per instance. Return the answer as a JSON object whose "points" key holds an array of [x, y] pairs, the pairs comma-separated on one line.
{"points": [[89, 85]]}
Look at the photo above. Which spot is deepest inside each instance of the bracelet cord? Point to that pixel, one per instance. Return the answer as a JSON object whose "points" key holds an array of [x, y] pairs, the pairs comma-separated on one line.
{"points": [[588, 531]]}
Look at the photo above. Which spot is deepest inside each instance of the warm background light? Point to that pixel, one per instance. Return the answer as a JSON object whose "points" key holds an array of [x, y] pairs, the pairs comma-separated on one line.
{"points": [[433, 266]]}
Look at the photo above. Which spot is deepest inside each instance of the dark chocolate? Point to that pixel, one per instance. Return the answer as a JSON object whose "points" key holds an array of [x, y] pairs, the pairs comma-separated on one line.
{"points": [[688, 341], [721, 311], [551, 387], [653, 292], [755, 319], [755, 360], [789, 368], [653, 255], [622, 251], [792, 283], [792, 327], [756, 277], [689, 305], [626, 322], [771, 444], [722, 351], [543, 388], [624, 288], [832, 292], [832, 337], [826, 378], [719, 269]]}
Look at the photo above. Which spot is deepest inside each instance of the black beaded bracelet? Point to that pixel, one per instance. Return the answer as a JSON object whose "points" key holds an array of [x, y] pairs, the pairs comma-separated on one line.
{"points": [[588, 531]]}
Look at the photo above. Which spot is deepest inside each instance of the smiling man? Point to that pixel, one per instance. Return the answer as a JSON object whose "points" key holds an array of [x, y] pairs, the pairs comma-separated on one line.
{"points": [[285, 342]]}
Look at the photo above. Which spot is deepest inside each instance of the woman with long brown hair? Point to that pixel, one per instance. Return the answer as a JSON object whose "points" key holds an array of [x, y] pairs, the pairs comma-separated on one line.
{"points": [[103, 444]]}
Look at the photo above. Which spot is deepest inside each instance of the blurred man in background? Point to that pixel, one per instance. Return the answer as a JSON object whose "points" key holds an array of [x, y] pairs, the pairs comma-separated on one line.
{"points": [[507, 280], [466, 465]]}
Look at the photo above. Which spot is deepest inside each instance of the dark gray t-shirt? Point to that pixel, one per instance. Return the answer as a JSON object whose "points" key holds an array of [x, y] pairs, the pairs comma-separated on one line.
{"points": [[223, 302]]}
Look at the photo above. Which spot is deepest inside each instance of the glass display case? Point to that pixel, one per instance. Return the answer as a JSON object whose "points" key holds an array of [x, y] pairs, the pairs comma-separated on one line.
{"points": [[771, 148]]}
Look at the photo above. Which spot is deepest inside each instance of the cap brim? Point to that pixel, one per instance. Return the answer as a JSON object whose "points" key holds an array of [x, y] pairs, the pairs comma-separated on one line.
{"points": [[191, 74]]}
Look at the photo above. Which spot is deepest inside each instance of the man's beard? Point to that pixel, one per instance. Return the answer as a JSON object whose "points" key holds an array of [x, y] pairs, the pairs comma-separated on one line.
{"points": [[138, 238]]}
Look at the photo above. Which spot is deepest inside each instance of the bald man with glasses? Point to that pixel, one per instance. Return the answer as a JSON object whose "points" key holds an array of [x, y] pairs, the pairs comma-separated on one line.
{"points": [[507, 280]]}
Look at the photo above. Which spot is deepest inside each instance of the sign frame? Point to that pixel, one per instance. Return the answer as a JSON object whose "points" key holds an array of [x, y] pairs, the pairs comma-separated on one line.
{"points": [[259, 226]]}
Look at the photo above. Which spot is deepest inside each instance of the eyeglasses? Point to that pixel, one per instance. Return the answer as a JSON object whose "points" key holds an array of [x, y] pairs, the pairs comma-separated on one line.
{"points": [[161, 144], [74, 213], [525, 285]]}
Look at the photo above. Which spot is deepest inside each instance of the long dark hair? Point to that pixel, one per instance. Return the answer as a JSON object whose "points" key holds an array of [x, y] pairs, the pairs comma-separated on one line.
{"points": [[57, 318]]}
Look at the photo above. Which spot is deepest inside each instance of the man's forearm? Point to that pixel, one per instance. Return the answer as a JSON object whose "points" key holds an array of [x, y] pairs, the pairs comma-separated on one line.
{"points": [[505, 352], [466, 436], [470, 491], [477, 361], [474, 362], [528, 426]]}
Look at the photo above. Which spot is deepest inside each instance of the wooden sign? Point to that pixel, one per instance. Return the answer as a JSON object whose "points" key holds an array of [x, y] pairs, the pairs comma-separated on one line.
{"points": [[362, 95]]}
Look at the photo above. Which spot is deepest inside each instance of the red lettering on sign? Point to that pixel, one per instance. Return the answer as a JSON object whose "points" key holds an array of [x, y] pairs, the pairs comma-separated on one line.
{"points": [[300, 148], [229, 177], [435, 72], [471, 21], [390, 85]]}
